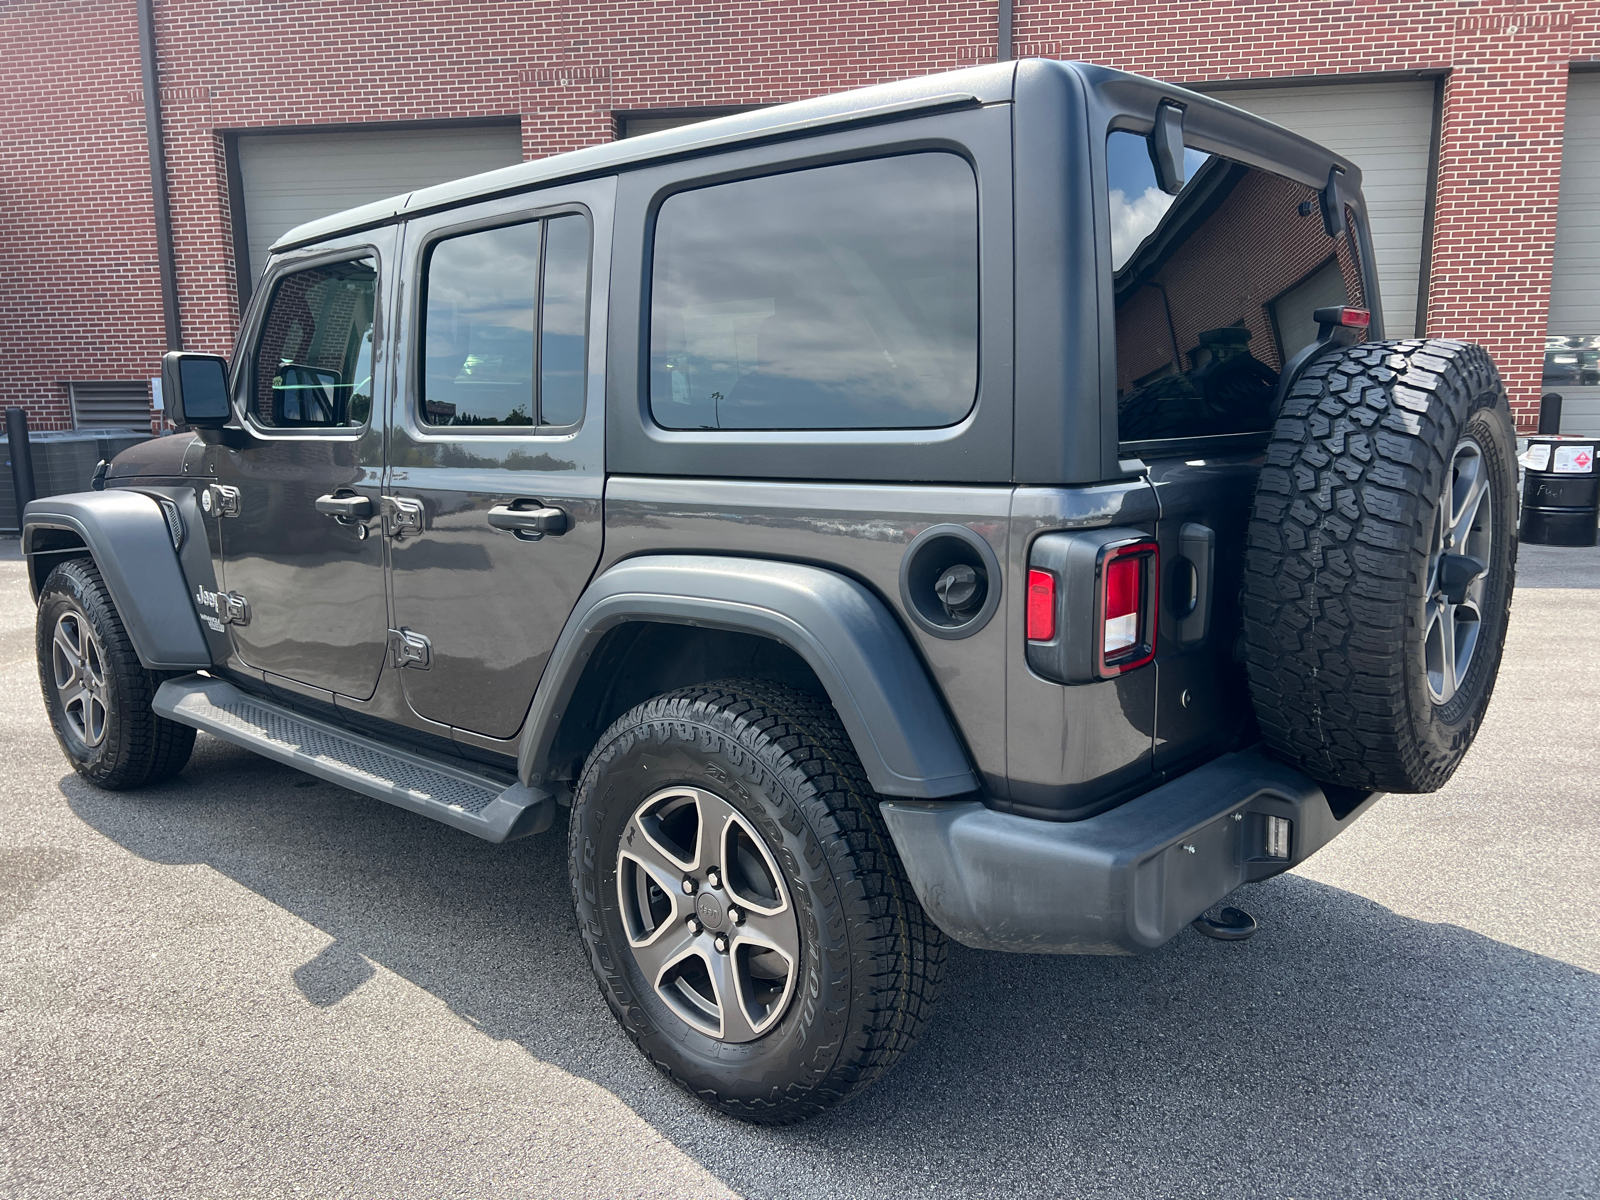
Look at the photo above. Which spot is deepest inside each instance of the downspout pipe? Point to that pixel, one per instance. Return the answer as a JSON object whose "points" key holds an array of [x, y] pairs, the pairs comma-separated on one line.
{"points": [[149, 70], [1004, 54]]}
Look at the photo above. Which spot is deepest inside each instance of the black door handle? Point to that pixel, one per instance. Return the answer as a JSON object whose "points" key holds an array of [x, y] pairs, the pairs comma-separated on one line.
{"points": [[530, 523], [346, 508]]}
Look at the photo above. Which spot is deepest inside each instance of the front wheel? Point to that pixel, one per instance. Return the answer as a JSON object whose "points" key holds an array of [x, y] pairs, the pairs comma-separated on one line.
{"points": [[97, 691], [745, 912]]}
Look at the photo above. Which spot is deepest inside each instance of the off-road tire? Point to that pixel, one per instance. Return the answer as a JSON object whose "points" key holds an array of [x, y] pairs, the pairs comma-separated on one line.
{"points": [[871, 962], [1337, 566], [138, 747]]}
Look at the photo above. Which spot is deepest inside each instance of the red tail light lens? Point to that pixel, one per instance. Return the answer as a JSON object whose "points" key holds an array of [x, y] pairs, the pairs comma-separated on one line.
{"points": [[1041, 606], [1128, 583], [1123, 579]]}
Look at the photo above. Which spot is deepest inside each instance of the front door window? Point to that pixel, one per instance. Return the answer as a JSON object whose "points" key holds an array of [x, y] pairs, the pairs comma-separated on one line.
{"points": [[313, 364]]}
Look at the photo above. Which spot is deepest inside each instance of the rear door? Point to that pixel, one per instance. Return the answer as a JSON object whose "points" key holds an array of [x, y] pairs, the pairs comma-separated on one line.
{"points": [[1214, 293], [496, 452]]}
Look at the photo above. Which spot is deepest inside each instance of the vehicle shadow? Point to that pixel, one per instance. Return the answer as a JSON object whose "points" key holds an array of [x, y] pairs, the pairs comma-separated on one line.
{"points": [[1346, 1051]]}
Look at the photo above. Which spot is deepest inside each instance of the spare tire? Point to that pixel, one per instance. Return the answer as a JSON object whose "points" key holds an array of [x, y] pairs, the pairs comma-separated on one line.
{"points": [[1381, 557]]}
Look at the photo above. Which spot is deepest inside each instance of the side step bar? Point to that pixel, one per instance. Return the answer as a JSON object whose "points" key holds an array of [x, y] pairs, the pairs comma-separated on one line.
{"points": [[446, 793]]}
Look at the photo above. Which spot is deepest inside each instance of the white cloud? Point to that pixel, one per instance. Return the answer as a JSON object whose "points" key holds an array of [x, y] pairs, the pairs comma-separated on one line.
{"points": [[1132, 222]]}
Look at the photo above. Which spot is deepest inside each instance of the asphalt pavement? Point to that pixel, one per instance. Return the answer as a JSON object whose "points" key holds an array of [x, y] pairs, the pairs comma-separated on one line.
{"points": [[249, 983]]}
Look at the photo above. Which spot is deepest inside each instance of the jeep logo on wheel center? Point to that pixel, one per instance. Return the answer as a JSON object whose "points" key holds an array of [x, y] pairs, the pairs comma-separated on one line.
{"points": [[728, 553], [709, 909]]}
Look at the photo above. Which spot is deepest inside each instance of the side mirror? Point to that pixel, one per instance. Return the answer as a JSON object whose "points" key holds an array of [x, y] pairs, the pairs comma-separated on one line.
{"points": [[195, 388], [1166, 148]]}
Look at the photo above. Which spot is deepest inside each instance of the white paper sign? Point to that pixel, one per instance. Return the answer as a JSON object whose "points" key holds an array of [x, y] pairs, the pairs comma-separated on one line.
{"points": [[1574, 460], [1537, 457]]}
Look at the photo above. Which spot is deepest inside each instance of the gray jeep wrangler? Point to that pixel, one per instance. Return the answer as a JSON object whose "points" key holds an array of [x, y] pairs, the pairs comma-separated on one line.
{"points": [[981, 507]]}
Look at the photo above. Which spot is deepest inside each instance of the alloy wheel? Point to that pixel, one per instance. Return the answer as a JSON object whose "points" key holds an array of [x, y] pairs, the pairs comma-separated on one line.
{"points": [[708, 916], [80, 677], [1458, 572]]}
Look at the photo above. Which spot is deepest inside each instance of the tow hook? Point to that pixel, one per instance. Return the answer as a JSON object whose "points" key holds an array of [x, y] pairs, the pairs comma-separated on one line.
{"points": [[1229, 925]]}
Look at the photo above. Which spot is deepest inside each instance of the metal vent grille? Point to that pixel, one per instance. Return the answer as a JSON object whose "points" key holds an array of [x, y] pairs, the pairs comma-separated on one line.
{"points": [[335, 750], [174, 523], [117, 405]]}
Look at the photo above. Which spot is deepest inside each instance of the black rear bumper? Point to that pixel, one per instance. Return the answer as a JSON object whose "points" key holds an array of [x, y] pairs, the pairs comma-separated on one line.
{"points": [[1122, 882]]}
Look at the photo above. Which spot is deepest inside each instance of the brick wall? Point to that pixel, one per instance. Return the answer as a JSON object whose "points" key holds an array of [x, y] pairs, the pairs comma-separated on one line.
{"points": [[79, 296], [79, 293]]}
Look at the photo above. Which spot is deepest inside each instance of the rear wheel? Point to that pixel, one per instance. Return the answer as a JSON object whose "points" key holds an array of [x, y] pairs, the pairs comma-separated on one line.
{"points": [[745, 913], [96, 690], [1382, 555]]}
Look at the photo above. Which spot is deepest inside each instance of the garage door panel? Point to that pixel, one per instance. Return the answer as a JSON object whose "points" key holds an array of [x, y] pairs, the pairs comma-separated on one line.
{"points": [[1386, 129], [1575, 276], [292, 178], [1575, 283]]}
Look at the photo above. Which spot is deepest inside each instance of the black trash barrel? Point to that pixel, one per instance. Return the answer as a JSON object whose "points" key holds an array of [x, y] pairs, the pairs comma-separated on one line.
{"points": [[1560, 492]]}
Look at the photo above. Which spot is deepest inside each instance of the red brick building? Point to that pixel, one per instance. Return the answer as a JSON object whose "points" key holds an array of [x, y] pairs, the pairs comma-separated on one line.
{"points": [[1457, 112]]}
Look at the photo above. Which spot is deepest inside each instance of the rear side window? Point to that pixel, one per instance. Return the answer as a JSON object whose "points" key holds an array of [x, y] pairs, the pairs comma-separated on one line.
{"points": [[313, 360], [839, 297], [503, 342], [1214, 288]]}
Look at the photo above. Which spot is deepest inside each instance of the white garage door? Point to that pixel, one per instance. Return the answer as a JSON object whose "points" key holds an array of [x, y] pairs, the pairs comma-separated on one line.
{"points": [[296, 177], [1572, 360], [1385, 129]]}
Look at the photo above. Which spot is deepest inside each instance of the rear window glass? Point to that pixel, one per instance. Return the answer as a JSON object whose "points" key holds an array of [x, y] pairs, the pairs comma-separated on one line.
{"points": [[1215, 288], [841, 297]]}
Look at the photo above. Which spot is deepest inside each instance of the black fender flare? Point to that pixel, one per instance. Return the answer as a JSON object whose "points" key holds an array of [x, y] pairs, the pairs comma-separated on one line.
{"points": [[126, 534], [862, 656]]}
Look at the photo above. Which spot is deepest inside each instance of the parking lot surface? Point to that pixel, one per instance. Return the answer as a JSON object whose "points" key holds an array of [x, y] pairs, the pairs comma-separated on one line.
{"points": [[250, 983]]}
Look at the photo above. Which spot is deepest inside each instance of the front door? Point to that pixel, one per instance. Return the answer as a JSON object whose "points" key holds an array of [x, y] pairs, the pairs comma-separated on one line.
{"points": [[299, 488], [496, 461]]}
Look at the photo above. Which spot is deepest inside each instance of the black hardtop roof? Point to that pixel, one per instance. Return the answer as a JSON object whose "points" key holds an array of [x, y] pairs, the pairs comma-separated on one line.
{"points": [[995, 83]]}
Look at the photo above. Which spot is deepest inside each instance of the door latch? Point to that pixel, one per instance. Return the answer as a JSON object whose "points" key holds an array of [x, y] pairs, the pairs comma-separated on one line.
{"points": [[408, 649], [405, 515], [220, 500]]}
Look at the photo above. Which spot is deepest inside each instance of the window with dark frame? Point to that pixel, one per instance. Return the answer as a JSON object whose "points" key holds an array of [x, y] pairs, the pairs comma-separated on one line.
{"points": [[837, 297], [505, 326], [313, 358]]}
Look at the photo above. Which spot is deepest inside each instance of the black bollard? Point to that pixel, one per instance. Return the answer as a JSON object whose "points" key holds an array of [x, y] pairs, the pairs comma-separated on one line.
{"points": [[1550, 412], [21, 453]]}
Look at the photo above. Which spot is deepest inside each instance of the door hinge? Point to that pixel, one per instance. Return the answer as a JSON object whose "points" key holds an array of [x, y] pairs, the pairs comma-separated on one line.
{"points": [[404, 513], [408, 649], [220, 500]]}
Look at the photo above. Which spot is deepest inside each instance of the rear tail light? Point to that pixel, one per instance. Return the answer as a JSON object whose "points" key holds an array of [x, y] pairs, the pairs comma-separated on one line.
{"points": [[1127, 607], [1342, 314], [1041, 606]]}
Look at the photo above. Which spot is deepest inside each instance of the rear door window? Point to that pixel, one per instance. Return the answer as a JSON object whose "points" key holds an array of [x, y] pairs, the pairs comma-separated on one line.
{"points": [[839, 297], [504, 340], [1214, 289]]}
